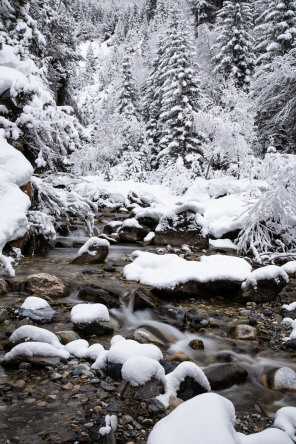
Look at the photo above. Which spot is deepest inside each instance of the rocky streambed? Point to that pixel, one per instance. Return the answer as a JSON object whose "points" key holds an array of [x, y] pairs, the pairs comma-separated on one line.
{"points": [[238, 345]]}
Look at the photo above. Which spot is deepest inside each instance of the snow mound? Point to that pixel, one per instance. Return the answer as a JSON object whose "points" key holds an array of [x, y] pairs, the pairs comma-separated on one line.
{"points": [[285, 419], [34, 303], [140, 369], [290, 307], [78, 348], [289, 267], [223, 243], [86, 313], [92, 242], [31, 349], [170, 270], [209, 419], [174, 379], [30, 332], [122, 350]]}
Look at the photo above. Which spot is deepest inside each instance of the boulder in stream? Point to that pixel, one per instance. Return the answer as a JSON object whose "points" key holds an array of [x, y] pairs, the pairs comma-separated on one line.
{"points": [[283, 378], [144, 298], [244, 332], [132, 231], [44, 284], [94, 251], [95, 293], [36, 309], [222, 376]]}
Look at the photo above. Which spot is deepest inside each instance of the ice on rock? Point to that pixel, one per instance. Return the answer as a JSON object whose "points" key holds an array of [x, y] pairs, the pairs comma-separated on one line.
{"points": [[30, 332], [31, 349], [86, 313], [34, 303], [140, 369], [174, 379]]}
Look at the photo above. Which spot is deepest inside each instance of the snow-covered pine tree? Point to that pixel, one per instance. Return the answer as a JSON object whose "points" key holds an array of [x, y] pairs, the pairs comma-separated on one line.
{"points": [[90, 64], [173, 97], [128, 102], [204, 11], [275, 28], [235, 58]]}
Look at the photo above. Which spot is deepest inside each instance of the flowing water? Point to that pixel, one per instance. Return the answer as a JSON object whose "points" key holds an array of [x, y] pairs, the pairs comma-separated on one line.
{"points": [[28, 414]]}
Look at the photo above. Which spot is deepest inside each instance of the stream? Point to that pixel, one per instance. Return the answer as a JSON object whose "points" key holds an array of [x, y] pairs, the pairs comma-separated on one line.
{"points": [[34, 408]]}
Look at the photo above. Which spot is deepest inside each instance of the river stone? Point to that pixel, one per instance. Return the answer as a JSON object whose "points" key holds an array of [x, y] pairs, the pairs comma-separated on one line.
{"points": [[67, 336], [180, 357], [183, 229], [148, 221], [189, 388], [196, 344], [291, 344], [41, 315], [41, 361], [44, 284], [265, 290], [222, 376], [132, 233], [283, 378], [243, 331], [97, 328], [173, 403], [144, 298], [113, 370], [4, 287], [101, 252], [288, 313], [112, 227], [3, 315], [171, 315], [94, 293], [148, 334], [194, 318], [150, 389]]}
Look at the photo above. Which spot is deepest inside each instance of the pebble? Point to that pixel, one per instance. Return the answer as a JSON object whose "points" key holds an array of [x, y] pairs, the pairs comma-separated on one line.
{"points": [[112, 408]]}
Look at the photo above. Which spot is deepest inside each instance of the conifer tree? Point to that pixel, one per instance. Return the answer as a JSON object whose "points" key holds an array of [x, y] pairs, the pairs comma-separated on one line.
{"points": [[275, 29], [235, 58], [128, 98], [203, 10], [174, 93]]}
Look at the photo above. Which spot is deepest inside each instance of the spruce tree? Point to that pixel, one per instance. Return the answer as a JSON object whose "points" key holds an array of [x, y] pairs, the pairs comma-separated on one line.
{"points": [[204, 11], [275, 29], [174, 97], [128, 98], [235, 58]]}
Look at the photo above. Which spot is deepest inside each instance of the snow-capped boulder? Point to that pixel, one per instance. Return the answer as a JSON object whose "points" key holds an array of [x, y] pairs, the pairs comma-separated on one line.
{"points": [[32, 333], [289, 311], [44, 284], [290, 269], [91, 319], [38, 353], [283, 378], [94, 251], [264, 284], [186, 227], [132, 231], [143, 378], [36, 309]]}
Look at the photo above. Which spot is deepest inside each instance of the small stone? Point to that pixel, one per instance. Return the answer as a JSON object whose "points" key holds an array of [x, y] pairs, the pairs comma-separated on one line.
{"points": [[20, 384], [3, 315], [55, 376], [126, 419], [204, 323], [244, 332], [112, 408], [174, 402], [109, 268], [180, 357], [196, 344]]}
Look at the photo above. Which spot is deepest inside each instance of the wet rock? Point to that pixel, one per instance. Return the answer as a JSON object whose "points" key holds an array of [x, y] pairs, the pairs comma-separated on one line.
{"points": [[114, 371], [283, 378], [183, 229], [171, 315], [189, 388], [196, 344], [180, 357], [222, 376], [112, 227], [44, 284], [245, 332], [109, 268], [147, 221], [288, 313], [173, 403], [97, 328], [67, 336], [148, 390], [132, 233], [3, 315], [291, 344], [148, 334], [263, 290], [39, 361], [100, 252], [4, 287], [41, 315], [144, 298], [94, 293], [194, 318]]}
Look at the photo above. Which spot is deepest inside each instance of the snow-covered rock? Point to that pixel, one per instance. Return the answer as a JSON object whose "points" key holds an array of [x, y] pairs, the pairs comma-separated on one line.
{"points": [[91, 319], [283, 378], [35, 352], [94, 251], [37, 309], [30, 332]]}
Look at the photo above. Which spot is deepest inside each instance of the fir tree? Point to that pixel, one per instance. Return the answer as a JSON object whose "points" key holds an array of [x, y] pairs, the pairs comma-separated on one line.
{"points": [[275, 29], [174, 96], [204, 11], [235, 59], [128, 98]]}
